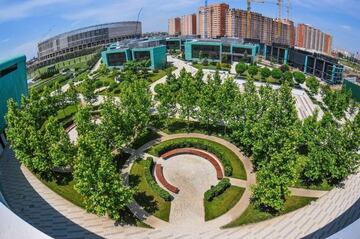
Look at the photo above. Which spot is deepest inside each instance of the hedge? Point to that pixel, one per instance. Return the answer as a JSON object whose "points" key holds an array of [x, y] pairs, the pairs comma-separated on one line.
{"points": [[149, 164], [195, 143], [217, 190]]}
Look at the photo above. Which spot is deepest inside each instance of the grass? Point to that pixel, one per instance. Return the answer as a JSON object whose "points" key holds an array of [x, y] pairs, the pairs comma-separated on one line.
{"points": [[238, 170], [66, 190], [175, 126], [323, 186], [145, 196], [253, 215], [78, 62], [143, 139], [160, 74], [67, 112], [222, 203]]}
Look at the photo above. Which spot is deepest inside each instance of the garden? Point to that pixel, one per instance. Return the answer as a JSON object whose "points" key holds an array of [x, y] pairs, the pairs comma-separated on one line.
{"points": [[261, 122]]}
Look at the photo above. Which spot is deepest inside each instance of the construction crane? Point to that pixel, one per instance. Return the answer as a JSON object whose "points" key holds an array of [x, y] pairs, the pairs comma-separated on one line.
{"points": [[137, 21], [278, 3], [248, 28], [288, 9]]}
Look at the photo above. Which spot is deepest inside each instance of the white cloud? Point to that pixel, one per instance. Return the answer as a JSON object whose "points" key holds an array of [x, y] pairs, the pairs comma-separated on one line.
{"points": [[9, 12], [346, 27], [28, 48]]}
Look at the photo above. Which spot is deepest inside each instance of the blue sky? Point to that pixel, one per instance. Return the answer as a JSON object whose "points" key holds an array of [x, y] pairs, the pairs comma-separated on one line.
{"points": [[25, 22]]}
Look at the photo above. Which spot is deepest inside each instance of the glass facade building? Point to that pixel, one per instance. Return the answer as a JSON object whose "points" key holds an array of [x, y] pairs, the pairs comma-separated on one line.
{"points": [[85, 39], [153, 50]]}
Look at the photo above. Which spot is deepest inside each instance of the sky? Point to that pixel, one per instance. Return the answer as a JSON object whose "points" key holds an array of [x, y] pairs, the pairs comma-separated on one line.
{"points": [[23, 23]]}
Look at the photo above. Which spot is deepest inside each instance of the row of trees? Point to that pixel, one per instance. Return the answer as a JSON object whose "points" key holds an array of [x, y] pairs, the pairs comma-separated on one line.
{"points": [[95, 172], [36, 136], [41, 143], [265, 124], [283, 73]]}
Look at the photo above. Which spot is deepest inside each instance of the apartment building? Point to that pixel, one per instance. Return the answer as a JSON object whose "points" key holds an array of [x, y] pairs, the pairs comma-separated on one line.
{"points": [[216, 20], [310, 38], [265, 29], [174, 26], [189, 25]]}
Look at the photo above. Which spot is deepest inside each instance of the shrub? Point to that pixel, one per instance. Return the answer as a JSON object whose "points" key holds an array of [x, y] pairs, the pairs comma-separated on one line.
{"points": [[284, 68], [149, 164], [276, 73], [213, 63], [288, 77], [240, 68], [313, 84], [217, 190], [265, 72], [195, 143], [156, 71], [98, 84], [117, 91], [194, 62], [299, 77], [205, 62], [253, 70]]}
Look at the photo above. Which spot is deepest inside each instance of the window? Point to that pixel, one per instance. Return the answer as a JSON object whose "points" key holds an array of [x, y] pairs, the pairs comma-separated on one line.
{"points": [[116, 59], [8, 70], [206, 52], [142, 55]]}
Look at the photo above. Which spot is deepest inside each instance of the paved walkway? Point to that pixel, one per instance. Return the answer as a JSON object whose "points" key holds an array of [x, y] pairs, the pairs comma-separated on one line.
{"points": [[216, 223], [50, 213]]}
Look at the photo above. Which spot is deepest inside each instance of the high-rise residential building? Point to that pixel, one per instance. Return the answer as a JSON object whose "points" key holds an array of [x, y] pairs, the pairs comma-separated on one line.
{"points": [[310, 38], [189, 25], [284, 32], [174, 26], [216, 20], [262, 28]]}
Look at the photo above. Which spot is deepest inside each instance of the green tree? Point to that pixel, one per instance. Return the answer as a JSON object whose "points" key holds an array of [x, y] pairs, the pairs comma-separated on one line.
{"points": [[89, 91], [187, 98], [208, 98], [166, 102], [253, 70], [60, 149], [288, 78], [265, 72], [299, 77], [284, 68], [313, 84], [97, 179], [136, 103], [240, 68], [276, 74]]}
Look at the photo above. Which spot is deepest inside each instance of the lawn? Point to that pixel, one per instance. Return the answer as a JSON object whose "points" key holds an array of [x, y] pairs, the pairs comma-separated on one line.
{"points": [[145, 196], [78, 62], [222, 203], [160, 74], [324, 186], [66, 190], [252, 215], [143, 139], [223, 153], [67, 112]]}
